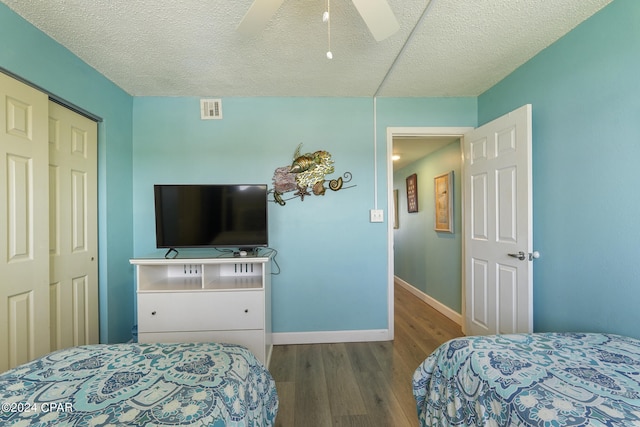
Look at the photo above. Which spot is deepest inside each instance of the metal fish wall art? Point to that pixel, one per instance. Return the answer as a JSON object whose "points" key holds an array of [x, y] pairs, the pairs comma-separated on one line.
{"points": [[307, 171]]}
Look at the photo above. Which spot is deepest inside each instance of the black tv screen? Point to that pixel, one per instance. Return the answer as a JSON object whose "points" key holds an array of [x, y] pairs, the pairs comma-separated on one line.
{"points": [[192, 216]]}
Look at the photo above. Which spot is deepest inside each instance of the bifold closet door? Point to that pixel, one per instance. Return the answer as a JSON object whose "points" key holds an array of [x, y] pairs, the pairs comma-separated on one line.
{"points": [[48, 226], [73, 228], [24, 223]]}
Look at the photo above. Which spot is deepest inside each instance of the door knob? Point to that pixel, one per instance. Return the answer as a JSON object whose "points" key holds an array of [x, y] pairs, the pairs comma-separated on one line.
{"points": [[522, 256]]}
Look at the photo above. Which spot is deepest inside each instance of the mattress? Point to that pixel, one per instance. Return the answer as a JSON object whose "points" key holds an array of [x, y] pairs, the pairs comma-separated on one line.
{"points": [[548, 379], [203, 384]]}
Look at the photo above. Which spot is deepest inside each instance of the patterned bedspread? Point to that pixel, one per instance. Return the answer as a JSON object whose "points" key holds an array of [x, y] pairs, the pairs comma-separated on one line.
{"points": [[531, 380], [205, 384]]}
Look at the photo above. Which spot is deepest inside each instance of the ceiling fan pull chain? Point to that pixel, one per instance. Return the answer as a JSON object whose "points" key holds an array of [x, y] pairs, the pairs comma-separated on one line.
{"points": [[327, 18]]}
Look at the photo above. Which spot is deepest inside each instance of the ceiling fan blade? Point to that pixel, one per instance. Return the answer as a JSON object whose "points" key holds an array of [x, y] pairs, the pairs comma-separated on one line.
{"points": [[258, 16], [378, 16]]}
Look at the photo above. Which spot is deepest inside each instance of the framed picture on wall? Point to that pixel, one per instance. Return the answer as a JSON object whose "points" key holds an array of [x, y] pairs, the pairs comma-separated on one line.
{"points": [[443, 190], [412, 193]]}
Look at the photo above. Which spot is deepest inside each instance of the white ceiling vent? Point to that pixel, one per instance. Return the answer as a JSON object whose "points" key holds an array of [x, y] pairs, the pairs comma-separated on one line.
{"points": [[210, 109]]}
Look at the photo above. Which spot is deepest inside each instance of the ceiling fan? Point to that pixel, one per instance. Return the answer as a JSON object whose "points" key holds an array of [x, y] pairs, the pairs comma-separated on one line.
{"points": [[377, 14]]}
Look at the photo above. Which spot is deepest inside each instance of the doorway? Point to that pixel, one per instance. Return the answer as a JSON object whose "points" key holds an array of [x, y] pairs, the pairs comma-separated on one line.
{"points": [[419, 135]]}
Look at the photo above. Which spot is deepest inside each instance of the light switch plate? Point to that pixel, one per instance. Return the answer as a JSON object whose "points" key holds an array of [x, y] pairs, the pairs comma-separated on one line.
{"points": [[376, 215]]}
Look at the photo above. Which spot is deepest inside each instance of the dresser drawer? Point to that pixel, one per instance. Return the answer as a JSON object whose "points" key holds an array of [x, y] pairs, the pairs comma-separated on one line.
{"points": [[200, 311]]}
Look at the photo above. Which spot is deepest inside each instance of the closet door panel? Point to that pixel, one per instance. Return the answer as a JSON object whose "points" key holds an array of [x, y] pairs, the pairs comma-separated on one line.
{"points": [[73, 156], [24, 230]]}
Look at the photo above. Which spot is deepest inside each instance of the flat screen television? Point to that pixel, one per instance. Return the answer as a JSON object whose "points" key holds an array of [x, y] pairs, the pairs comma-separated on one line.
{"points": [[197, 216]]}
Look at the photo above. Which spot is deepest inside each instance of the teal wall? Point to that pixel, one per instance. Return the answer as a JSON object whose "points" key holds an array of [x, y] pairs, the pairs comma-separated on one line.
{"points": [[333, 260], [585, 93], [28, 53], [430, 261]]}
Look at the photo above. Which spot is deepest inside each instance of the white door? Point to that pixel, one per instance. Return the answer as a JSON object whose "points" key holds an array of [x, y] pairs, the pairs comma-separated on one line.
{"points": [[24, 230], [73, 228], [498, 226]]}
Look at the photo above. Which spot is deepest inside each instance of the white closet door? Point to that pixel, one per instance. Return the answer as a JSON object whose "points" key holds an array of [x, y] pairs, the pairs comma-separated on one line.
{"points": [[73, 228], [24, 224]]}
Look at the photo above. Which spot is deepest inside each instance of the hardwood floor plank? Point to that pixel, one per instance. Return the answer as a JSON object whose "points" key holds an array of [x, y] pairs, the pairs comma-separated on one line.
{"points": [[286, 393], [397, 371], [362, 358], [381, 401], [353, 421], [377, 392], [344, 393], [283, 370], [312, 397], [283, 362]]}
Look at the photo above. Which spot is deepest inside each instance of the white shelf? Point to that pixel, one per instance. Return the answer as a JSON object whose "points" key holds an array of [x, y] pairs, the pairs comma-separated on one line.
{"points": [[171, 284], [200, 274], [237, 283]]}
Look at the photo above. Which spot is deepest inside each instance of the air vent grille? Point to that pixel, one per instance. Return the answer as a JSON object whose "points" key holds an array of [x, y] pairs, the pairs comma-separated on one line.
{"points": [[210, 109]]}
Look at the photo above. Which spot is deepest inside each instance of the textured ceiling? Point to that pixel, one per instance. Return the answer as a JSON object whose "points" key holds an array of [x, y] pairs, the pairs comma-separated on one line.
{"points": [[192, 48]]}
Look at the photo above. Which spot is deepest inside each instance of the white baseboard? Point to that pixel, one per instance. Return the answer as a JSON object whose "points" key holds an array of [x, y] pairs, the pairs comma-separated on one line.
{"points": [[437, 305], [325, 337]]}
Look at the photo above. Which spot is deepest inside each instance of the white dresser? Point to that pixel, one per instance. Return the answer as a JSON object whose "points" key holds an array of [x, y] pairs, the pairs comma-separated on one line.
{"points": [[225, 299]]}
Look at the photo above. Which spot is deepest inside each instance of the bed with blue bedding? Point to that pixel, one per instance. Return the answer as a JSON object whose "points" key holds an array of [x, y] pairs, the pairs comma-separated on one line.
{"points": [[203, 384], [546, 379]]}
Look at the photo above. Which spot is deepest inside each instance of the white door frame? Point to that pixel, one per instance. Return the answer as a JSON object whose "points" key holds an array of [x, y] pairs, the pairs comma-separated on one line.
{"points": [[415, 131]]}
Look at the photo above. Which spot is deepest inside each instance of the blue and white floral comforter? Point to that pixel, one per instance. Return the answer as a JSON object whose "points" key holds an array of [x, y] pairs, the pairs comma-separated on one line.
{"points": [[531, 380], [202, 384]]}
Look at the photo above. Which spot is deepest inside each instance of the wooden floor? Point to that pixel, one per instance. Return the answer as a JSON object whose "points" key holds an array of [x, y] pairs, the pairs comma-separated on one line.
{"points": [[359, 384]]}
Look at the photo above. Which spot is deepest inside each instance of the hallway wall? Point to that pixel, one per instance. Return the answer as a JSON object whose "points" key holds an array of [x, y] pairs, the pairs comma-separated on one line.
{"points": [[428, 260]]}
